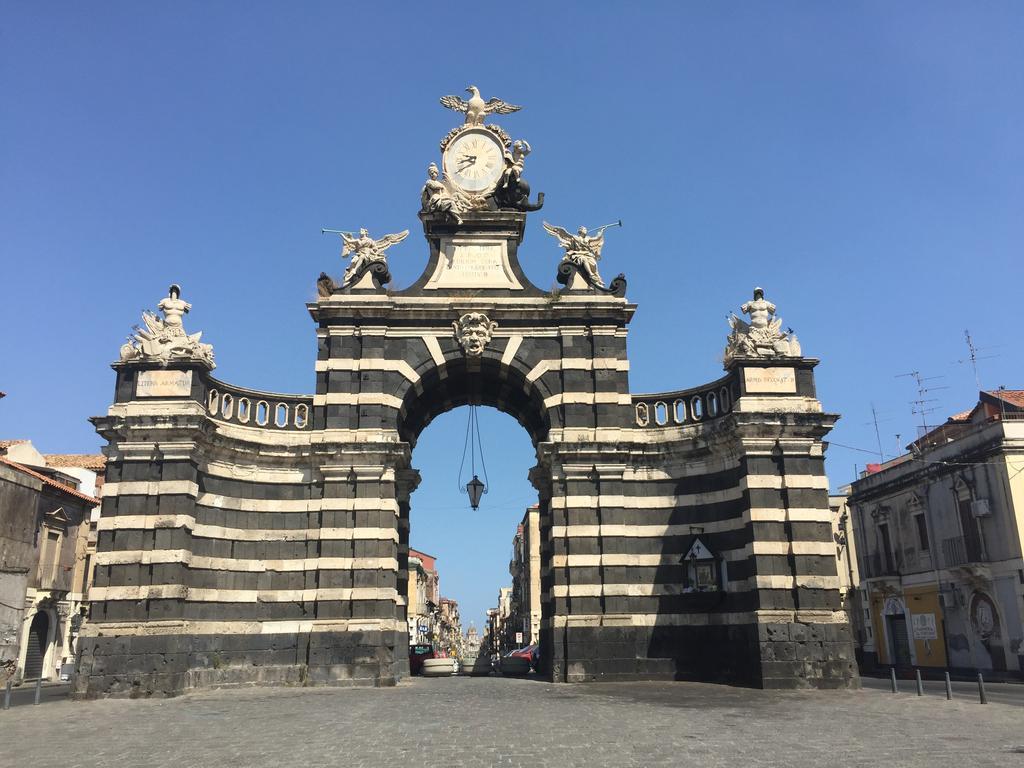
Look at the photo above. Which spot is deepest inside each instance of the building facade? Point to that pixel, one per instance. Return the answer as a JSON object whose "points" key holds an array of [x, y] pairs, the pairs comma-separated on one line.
{"points": [[449, 629], [277, 526], [423, 597], [939, 537], [847, 567], [44, 520], [525, 569]]}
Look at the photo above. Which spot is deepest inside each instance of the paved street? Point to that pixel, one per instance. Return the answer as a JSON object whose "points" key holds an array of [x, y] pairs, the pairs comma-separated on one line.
{"points": [[996, 693], [509, 722], [24, 695]]}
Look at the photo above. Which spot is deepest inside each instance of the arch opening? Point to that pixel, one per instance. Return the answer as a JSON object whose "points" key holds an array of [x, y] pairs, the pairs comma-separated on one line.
{"points": [[479, 579], [38, 645], [473, 382]]}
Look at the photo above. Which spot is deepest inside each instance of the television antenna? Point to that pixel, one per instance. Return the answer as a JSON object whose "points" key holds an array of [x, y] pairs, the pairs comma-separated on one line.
{"points": [[973, 357], [878, 437], [920, 406]]}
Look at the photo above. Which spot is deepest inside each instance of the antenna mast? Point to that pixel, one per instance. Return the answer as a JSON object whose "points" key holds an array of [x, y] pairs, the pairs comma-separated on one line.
{"points": [[974, 354], [918, 407], [878, 437]]}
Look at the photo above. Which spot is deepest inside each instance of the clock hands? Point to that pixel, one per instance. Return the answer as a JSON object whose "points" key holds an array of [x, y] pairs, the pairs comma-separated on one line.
{"points": [[465, 161]]}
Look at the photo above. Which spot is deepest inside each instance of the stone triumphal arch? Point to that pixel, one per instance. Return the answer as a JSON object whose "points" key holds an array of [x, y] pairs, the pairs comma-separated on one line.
{"points": [[249, 536]]}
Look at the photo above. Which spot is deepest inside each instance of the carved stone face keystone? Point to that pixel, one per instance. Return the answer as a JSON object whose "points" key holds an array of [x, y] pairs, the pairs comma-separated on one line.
{"points": [[473, 330]]}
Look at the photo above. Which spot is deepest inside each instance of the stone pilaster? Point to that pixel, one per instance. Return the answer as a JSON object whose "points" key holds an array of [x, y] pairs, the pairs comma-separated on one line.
{"points": [[803, 638]]}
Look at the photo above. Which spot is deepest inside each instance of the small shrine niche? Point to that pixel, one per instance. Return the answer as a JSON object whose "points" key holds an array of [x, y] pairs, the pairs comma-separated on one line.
{"points": [[703, 569]]}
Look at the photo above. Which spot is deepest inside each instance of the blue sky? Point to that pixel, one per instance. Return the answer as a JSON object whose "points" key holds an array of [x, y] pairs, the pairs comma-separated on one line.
{"points": [[861, 161]]}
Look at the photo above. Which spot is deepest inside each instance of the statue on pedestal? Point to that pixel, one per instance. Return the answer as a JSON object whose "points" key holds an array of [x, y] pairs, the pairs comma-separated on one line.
{"points": [[582, 250], [762, 336], [164, 339], [476, 109], [366, 251], [437, 198], [513, 191]]}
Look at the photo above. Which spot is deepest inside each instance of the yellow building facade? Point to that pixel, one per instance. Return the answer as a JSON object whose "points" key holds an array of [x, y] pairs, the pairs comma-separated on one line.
{"points": [[939, 539]]}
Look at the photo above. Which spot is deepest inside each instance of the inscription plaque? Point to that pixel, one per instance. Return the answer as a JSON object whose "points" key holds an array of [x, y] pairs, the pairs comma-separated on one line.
{"points": [[770, 380], [473, 263], [163, 383]]}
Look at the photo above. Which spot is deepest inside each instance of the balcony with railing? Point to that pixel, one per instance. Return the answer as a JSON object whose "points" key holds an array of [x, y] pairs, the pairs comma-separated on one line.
{"points": [[960, 551], [687, 406], [254, 408], [876, 565]]}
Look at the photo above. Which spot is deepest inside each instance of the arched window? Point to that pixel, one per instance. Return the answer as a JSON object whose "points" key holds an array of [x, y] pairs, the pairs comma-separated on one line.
{"points": [[244, 410], [643, 414], [301, 415], [213, 401], [227, 406], [281, 415], [679, 411], [661, 414], [262, 413], [697, 408]]}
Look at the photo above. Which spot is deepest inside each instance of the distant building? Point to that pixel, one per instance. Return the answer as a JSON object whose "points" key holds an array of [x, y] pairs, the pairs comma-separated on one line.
{"points": [[44, 571], [847, 568], [939, 538], [505, 634], [525, 570], [471, 645], [449, 628], [491, 640], [423, 597]]}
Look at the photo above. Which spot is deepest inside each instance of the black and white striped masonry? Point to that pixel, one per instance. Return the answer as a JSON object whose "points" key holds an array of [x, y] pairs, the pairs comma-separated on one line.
{"points": [[251, 537]]}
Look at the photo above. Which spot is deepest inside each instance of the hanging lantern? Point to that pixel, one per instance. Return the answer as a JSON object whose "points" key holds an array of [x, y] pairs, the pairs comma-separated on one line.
{"points": [[475, 489]]}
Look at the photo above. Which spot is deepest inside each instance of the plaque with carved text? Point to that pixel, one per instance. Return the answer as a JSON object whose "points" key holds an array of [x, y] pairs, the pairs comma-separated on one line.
{"points": [[164, 384], [473, 263], [780, 381]]}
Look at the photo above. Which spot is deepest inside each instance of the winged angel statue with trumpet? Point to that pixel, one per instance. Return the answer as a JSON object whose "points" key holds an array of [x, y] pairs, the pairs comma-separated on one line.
{"points": [[365, 250], [581, 249]]}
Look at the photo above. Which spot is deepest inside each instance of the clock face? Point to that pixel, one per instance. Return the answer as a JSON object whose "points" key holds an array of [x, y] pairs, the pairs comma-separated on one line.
{"points": [[474, 160]]}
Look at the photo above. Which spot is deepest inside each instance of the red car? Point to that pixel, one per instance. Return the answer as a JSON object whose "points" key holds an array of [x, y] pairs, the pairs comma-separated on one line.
{"points": [[531, 652], [417, 653]]}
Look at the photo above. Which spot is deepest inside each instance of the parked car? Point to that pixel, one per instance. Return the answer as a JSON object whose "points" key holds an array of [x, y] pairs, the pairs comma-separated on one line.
{"points": [[519, 661], [417, 654], [532, 652]]}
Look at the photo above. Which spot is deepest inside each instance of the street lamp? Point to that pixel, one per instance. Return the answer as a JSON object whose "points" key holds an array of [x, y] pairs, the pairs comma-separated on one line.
{"points": [[475, 489]]}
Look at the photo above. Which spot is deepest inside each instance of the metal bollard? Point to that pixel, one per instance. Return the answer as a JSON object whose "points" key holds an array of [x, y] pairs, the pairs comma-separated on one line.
{"points": [[39, 689], [949, 688], [920, 686], [7, 695], [892, 678], [981, 690]]}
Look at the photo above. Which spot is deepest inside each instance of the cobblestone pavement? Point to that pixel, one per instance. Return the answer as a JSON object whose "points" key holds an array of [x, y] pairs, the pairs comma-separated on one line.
{"points": [[508, 722]]}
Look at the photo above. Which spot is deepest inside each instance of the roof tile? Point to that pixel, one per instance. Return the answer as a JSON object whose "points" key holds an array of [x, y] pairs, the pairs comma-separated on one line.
{"points": [[49, 481], [92, 461]]}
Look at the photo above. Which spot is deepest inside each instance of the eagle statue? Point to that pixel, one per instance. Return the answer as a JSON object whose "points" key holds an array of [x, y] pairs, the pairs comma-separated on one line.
{"points": [[476, 109]]}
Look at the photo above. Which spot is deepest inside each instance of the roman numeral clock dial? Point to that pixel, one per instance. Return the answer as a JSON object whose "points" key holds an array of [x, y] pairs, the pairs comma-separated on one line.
{"points": [[474, 160]]}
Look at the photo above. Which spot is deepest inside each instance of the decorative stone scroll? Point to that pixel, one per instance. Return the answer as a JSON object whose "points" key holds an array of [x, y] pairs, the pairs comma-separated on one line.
{"points": [[762, 337], [473, 331], [164, 340]]}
